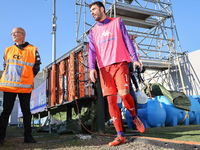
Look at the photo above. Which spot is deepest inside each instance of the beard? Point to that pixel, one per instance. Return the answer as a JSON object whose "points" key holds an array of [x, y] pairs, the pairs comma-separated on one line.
{"points": [[98, 16]]}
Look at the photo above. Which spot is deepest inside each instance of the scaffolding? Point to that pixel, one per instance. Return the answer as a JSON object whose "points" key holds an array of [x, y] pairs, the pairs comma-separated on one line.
{"points": [[153, 26]]}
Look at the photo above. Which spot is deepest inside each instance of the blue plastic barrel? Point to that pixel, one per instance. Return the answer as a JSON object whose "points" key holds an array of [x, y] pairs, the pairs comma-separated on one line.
{"points": [[156, 114], [128, 119], [197, 97], [194, 113], [142, 114], [174, 116]]}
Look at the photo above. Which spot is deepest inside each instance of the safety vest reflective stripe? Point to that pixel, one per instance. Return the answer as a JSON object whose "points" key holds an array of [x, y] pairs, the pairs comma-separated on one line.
{"points": [[16, 85], [20, 62]]}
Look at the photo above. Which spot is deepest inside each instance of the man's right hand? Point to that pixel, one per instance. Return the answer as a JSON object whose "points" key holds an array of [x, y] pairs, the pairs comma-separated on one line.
{"points": [[93, 75]]}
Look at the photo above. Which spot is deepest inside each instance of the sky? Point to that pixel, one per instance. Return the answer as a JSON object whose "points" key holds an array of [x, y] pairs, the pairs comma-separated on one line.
{"points": [[35, 16]]}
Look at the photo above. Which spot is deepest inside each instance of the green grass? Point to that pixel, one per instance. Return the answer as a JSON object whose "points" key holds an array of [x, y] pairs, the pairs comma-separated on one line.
{"points": [[180, 132]]}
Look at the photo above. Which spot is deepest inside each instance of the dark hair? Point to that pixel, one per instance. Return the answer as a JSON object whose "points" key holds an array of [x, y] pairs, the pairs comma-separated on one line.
{"points": [[99, 4]]}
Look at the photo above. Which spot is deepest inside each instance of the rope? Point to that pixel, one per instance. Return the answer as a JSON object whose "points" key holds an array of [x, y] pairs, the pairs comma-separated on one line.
{"points": [[170, 51], [186, 115]]}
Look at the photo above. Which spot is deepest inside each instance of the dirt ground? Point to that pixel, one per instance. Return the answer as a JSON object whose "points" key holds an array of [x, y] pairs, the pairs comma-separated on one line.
{"points": [[63, 142], [103, 145], [166, 137]]}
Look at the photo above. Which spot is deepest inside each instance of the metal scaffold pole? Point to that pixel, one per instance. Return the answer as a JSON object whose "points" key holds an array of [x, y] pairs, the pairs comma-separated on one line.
{"points": [[54, 32]]}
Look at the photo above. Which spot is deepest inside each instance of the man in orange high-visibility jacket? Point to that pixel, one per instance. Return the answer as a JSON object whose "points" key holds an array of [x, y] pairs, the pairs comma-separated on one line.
{"points": [[21, 65]]}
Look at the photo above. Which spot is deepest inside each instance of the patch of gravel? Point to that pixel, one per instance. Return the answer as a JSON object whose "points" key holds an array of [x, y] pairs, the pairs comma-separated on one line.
{"points": [[142, 146], [100, 143], [83, 142], [127, 146]]}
